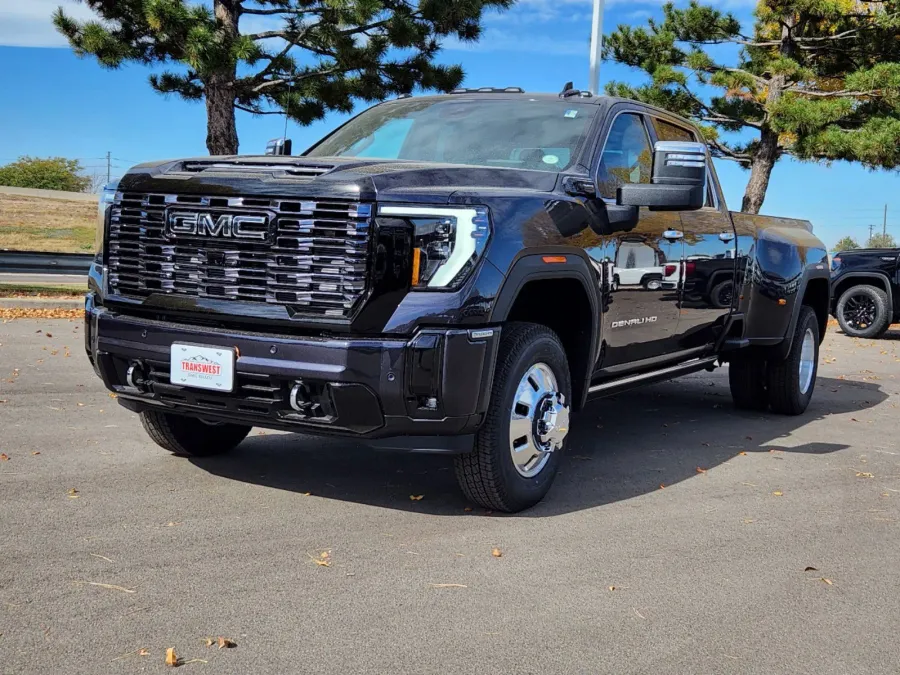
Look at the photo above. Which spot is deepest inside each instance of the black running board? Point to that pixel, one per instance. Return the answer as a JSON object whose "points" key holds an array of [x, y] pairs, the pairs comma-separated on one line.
{"points": [[631, 381]]}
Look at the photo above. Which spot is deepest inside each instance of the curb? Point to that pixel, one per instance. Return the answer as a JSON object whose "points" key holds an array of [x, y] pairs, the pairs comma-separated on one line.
{"points": [[41, 303]]}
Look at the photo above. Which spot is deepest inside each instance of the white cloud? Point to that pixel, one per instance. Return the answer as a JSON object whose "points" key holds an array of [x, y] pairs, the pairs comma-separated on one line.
{"points": [[28, 23]]}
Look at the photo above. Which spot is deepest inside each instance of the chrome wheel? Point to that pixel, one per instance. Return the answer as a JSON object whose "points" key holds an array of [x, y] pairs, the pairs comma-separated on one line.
{"points": [[807, 360], [538, 422]]}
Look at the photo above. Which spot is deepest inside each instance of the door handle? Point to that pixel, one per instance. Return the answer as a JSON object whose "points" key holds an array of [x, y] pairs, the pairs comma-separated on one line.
{"points": [[673, 234], [727, 236]]}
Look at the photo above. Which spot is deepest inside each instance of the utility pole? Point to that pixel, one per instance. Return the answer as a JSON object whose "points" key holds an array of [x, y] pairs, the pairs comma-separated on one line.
{"points": [[108, 166], [596, 46], [871, 229], [884, 225]]}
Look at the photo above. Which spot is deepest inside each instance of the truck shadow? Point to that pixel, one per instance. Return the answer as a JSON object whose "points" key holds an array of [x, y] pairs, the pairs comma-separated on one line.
{"points": [[620, 448]]}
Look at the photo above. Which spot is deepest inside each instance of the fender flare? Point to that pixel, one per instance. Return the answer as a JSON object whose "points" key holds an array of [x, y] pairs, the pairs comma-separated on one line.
{"points": [[531, 267], [861, 275], [811, 272]]}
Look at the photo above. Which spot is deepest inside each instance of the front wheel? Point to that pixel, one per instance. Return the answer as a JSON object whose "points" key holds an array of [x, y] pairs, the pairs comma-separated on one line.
{"points": [[193, 437], [790, 382], [517, 450], [863, 311]]}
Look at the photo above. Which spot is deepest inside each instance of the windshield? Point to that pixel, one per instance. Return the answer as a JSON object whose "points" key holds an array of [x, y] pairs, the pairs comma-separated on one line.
{"points": [[520, 133]]}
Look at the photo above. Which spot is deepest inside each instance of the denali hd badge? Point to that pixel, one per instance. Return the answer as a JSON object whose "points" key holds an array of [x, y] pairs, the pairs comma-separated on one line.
{"points": [[223, 225], [633, 322]]}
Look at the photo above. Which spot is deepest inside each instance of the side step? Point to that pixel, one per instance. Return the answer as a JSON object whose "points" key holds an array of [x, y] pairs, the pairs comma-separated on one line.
{"points": [[632, 381]]}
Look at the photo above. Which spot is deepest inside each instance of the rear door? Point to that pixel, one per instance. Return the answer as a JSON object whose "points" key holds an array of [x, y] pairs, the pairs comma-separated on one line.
{"points": [[708, 270], [640, 308]]}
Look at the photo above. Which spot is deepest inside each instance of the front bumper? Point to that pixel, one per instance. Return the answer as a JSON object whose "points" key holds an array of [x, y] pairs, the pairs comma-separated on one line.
{"points": [[425, 393]]}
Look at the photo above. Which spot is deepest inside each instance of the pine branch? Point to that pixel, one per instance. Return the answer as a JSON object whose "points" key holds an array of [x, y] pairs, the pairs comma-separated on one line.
{"points": [[832, 94]]}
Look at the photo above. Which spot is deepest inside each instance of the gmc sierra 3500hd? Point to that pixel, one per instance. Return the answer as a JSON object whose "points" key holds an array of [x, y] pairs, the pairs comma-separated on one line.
{"points": [[447, 274]]}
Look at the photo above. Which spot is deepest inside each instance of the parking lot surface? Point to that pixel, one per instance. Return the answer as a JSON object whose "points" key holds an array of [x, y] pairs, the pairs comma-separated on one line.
{"points": [[682, 536]]}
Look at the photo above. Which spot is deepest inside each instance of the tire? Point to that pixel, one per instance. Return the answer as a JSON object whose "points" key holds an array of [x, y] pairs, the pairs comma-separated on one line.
{"points": [[864, 312], [652, 282], [786, 379], [747, 379], [192, 437], [718, 297], [489, 475]]}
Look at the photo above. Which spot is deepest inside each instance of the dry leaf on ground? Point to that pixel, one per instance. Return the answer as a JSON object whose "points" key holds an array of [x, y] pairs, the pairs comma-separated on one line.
{"points": [[699, 470], [226, 643], [10, 313], [810, 568], [416, 498], [828, 581], [864, 474], [73, 493], [143, 651], [496, 552], [171, 658], [777, 493], [4, 457]]}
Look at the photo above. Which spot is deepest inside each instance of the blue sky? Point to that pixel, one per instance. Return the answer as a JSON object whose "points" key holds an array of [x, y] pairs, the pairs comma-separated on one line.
{"points": [[57, 104]]}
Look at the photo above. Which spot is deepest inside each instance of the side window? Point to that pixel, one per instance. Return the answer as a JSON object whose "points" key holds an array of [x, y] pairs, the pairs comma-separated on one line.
{"points": [[670, 132], [627, 157]]}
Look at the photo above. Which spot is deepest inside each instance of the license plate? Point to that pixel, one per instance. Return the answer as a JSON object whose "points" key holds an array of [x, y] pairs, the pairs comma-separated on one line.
{"points": [[202, 367]]}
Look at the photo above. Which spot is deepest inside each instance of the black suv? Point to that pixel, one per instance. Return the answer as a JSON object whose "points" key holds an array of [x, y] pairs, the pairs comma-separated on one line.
{"points": [[864, 290], [452, 274]]}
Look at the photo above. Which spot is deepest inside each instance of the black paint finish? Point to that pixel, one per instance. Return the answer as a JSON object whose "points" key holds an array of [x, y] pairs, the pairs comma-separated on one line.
{"points": [[676, 283]]}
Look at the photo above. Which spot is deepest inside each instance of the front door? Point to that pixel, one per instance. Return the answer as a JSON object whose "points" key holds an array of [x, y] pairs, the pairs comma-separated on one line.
{"points": [[707, 274], [640, 287]]}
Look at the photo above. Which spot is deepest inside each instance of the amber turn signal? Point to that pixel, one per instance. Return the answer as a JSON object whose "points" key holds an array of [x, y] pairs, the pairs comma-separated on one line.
{"points": [[554, 258], [782, 302], [417, 259]]}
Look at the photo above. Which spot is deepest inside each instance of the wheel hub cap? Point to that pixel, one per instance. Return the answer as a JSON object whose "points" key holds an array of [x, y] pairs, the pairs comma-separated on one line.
{"points": [[807, 360], [539, 420]]}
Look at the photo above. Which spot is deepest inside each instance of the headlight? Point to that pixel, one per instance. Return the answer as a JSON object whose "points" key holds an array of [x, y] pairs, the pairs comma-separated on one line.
{"points": [[447, 242], [107, 197]]}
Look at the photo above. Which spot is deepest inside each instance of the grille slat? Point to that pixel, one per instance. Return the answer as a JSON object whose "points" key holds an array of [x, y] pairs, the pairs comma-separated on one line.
{"points": [[316, 259]]}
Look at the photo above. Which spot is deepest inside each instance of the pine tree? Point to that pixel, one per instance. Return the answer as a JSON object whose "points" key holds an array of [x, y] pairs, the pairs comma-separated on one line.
{"points": [[844, 244], [320, 56], [817, 79]]}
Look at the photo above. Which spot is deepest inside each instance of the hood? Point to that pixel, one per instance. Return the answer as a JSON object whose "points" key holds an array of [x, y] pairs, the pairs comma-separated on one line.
{"points": [[328, 177]]}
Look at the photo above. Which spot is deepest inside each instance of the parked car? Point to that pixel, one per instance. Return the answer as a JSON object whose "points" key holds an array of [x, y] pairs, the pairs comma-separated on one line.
{"points": [[439, 274], [865, 290]]}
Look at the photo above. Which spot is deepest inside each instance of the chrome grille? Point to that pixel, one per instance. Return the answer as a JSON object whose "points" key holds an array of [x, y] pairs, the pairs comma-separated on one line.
{"points": [[315, 258]]}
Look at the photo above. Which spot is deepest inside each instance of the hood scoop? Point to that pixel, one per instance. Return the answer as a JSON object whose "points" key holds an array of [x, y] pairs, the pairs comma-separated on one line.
{"points": [[254, 168]]}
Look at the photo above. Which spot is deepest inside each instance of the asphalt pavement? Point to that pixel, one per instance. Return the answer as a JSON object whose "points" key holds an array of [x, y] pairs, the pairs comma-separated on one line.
{"points": [[682, 536]]}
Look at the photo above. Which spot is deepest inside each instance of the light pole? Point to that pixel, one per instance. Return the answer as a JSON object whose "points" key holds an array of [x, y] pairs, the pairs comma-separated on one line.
{"points": [[596, 46]]}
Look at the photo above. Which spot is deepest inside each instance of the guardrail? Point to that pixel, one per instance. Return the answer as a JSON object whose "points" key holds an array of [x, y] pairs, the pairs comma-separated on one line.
{"points": [[35, 262]]}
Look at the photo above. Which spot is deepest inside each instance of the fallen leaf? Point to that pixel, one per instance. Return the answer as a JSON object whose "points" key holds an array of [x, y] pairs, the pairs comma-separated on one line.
{"points": [[36, 452], [699, 470], [210, 642], [416, 498], [448, 585], [828, 581], [496, 552], [742, 453], [777, 493], [73, 493], [612, 588], [853, 419], [662, 486], [864, 474], [49, 334], [226, 643], [113, 395], [143, 651], [467, 509], [171, 659], [4, 457], [111, 587], [810, 569]]}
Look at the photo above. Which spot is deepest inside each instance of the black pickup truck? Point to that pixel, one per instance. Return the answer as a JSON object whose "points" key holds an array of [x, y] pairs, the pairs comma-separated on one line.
{"points": [[866, 290], [454, 273]]}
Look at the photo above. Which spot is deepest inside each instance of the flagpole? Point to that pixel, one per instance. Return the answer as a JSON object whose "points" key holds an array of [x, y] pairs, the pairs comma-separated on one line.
{"points": [[596, 46]]}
